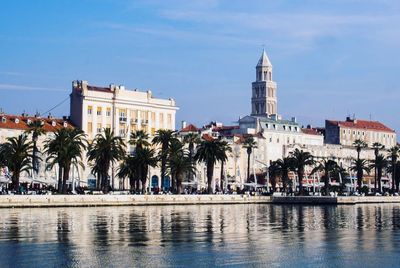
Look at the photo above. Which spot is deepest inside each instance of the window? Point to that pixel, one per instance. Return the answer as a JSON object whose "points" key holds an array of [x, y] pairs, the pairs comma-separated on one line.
{"points": [[122, 113], [89, 110], [274, 126], [98, 127], [98, 110], [270, 139], [108, 112], [108, 126], [89, 127]]}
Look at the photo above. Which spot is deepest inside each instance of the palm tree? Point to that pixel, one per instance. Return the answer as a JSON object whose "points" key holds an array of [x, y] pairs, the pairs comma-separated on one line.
{"points": [[145, 158], [285, 165], [328, 167], [192, 139], [210, 151], [379, 164], [274, 172], [249, 144], [54, 148], [139, 139], [377, 146], [128, 169], [105, 150], [360, 166], [394, 154], [179, 163], [301, 159], [36, 129], [66, 150], [359, 144], [164, 138], [17, 154], [227, 149]]}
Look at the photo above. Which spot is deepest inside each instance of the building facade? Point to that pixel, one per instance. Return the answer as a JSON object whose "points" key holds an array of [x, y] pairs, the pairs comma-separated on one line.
{"points": [[96, 108], [346, 132]]}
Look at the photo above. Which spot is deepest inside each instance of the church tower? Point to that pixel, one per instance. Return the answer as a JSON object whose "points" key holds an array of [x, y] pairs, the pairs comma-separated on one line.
{"points": [[264, 101]]}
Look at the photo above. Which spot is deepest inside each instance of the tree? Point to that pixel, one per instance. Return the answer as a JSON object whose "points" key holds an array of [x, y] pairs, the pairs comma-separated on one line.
{"points": [[139, 139], [249, 144], [284, 166], [301, 159], [105, 150], [145, 158], [192, 139], [179, 164], [394, 154], [227, 149], [54, 148], [377, 146], [163, 137], [36, 129], [210, 151], [129, 169], [359, 144], [274, 172], [328, 167], [66, 150], [17, 156], [360, 166], [379, 164]]}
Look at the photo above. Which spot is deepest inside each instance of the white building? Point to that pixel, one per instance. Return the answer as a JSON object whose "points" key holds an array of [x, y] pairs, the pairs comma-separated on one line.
{"points": [[95, 108]]}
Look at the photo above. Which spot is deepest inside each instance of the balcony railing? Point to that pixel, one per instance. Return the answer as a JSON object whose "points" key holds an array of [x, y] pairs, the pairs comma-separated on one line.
{"points": [[123, 119], [134, 121]]}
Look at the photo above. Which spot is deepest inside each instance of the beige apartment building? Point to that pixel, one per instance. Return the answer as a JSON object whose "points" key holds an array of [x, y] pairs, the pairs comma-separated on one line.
{"points": [[95, 108], [346, 132]]}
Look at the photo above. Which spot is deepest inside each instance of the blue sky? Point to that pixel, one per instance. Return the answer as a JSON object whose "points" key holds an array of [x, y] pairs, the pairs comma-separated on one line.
{"points": [[331, 58]]}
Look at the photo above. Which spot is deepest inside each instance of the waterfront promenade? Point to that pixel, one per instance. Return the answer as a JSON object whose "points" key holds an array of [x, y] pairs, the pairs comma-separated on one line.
{"points": [[10, 201]]}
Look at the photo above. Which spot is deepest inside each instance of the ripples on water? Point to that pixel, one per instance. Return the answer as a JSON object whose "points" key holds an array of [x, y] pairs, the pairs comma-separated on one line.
{"points": [[206, 236]]}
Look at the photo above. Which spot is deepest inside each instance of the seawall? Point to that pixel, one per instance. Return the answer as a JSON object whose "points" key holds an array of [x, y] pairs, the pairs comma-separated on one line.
{"points": [[21, 201], [7, 201]]}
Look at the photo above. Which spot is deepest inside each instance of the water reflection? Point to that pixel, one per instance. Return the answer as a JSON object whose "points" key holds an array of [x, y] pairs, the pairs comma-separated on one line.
{"points": [[240, 235]]}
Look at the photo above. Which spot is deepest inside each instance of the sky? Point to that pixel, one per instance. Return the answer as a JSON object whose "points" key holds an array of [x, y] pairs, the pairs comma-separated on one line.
{"points": [[330, 59]]}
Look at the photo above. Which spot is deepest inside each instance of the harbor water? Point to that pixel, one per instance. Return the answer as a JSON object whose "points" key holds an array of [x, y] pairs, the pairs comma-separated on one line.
{"points": [[245, 235]]}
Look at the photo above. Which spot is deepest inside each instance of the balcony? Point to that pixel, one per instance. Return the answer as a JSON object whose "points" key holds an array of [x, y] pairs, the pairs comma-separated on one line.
{"points": [[145, 122], [122, 119], [134, 121]]}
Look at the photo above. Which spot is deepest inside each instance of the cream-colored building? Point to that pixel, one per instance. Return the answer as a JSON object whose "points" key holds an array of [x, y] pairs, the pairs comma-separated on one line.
{"points": [[96, 108], [346, 132]]}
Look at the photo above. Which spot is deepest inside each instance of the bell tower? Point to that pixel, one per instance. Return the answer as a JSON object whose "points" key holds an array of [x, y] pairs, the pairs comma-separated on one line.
{"points": [[264, 99]]}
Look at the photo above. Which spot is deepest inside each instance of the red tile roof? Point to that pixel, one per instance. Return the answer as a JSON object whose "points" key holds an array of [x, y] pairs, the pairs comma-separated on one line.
{"points": [[190, 128], [207, 137], [9, 122], [362, 124], [310, 131]]}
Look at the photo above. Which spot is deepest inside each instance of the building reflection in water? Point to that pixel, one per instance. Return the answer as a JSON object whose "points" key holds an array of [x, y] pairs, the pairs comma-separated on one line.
{"points": [[154, 236]]}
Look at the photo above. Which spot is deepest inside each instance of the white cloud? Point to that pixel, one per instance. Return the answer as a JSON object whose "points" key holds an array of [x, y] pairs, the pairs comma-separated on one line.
{"points": [[28, 88]]}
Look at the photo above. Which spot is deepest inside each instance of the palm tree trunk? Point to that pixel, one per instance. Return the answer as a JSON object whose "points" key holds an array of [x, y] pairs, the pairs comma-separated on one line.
{"points": [[60, 175], [15, 181], [393, 174], [376, 178], [359, 180], [65, 178], [248, 168], [222, 176], [300, 174], [379, 180], [326, 182], [179, 179], [284, 182], [210, 173]]}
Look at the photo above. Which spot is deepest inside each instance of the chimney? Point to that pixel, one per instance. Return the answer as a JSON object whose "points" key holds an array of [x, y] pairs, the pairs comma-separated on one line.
{"points": [[294, 119], [184, 124]]}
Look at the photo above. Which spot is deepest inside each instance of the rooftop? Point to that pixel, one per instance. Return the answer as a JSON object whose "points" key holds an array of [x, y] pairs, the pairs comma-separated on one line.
{"points": [[362, 124], [21, 122]]}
